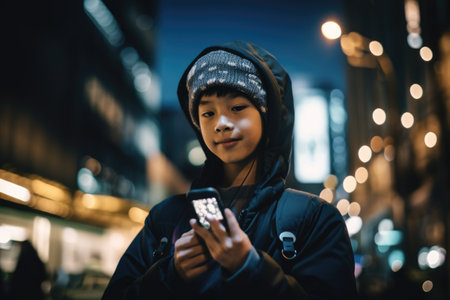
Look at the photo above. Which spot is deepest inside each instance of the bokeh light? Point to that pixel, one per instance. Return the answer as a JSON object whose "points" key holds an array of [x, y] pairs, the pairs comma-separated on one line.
{"points": [[349, 184], [385, 225], [196, 156], [376, 48], [365, 153], [376, 143], [14, 190], [396, 260], [430, 139], [389, 152], [407, 120], [379, 116], [416, 91], [426, 54], [427, 286], [327, 195], [86, 181], [10, 233], [422, 258], [331, 182], [354, 209], [388, 141], [88, 201], [342, 206], [433, 259], [354, 225], [137, 214], [414, 40], [331, 30], [361, 175]]}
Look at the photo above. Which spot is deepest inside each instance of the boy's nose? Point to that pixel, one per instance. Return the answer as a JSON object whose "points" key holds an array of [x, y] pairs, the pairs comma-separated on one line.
{"points": [[223, 124]]}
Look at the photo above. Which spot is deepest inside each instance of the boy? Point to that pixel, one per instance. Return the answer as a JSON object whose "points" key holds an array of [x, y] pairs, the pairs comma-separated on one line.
{"points": [[238, 99]]}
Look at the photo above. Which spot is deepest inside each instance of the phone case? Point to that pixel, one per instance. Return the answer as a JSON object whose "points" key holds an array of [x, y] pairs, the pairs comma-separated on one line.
{"points": [[206, 203]]}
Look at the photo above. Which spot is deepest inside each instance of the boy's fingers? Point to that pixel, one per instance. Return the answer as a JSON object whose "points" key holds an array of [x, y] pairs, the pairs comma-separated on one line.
{"points": [[190, 232], [192, 268], [233, 224], [195, 261], [197, 271], [187, 240], [190, 252], [218, 229], [208, 237], [199, 230]]}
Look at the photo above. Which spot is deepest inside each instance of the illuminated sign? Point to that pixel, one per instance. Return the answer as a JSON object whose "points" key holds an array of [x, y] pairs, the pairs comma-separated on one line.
{"points": [[311, 137]]}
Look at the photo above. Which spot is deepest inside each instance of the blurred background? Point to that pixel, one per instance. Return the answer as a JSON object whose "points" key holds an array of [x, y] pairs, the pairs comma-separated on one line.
{"points": [[91, 135]]}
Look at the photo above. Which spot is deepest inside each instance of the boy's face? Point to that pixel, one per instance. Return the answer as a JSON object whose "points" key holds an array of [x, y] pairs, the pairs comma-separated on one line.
{"points": [[231, 127]]}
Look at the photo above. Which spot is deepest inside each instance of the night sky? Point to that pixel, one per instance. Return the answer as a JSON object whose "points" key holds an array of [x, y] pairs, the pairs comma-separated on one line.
{"points": [[290, 30]]}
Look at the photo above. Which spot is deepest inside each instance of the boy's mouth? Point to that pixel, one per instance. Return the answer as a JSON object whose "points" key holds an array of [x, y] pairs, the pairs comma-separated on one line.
{"points": [[227, 142]]}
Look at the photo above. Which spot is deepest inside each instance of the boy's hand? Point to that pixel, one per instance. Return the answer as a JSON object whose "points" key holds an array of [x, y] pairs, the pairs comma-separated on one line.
{"points": [[190, 257], [229, 249]]}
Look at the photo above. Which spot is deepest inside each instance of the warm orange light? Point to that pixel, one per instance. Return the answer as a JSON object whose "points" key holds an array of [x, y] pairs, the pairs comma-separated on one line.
{"points": [[330, 182], [388, 141], [389, 152], [354, 209], [427, 286], [50, 191], [376, 143], [361, 175], [347, 45], [327, 195], [89, 201], [93, 165], [137, 214], [342, 206]]}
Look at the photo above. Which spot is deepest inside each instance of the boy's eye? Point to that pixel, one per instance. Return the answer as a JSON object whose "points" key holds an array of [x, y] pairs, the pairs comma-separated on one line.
{"points": [[239, 107], [207, 114]]}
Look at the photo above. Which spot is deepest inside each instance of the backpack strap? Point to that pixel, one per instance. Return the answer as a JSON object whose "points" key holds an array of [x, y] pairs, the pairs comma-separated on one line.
{"points": [[290, 213], [169, 230]]}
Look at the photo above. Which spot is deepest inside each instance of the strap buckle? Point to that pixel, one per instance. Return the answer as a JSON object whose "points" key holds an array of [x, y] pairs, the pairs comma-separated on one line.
{"points": [[288, 240], [159, 252]]}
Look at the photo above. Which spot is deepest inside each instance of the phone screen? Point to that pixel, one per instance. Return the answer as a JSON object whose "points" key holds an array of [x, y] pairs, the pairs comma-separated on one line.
{"points": [[207, 207]]}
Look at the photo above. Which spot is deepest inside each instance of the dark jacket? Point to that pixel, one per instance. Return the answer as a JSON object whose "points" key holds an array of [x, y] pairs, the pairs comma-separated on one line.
{"points": [[324, 266]]}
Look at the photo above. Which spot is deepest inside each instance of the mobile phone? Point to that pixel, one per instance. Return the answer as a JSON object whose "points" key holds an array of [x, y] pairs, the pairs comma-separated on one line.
{"points": [[207, 204]]}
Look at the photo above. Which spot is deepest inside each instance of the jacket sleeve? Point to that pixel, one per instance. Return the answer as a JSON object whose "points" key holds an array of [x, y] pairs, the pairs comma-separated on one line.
{"points": [[138, 275], [323, 268]]}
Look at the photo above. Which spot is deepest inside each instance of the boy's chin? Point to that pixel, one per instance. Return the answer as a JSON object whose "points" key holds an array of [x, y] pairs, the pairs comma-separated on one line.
{"points": [[237, 161]]}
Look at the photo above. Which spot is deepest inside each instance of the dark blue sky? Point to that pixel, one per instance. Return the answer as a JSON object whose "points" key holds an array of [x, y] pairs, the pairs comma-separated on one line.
{"points": [[290, 30]]}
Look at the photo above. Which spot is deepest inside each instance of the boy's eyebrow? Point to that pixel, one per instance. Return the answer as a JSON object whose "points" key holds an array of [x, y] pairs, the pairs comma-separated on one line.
{"points": [[204, 102]]}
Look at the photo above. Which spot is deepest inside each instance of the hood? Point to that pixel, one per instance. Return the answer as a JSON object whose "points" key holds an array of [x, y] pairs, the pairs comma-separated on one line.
{"points": [[280, 117]]}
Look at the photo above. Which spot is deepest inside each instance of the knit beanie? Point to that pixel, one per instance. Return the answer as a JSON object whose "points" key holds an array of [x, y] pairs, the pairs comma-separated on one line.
{"points": [[221, 68]]}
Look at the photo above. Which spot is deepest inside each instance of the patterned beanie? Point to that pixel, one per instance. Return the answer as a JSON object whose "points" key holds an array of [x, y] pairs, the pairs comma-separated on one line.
{"points": [[221, 68]]}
